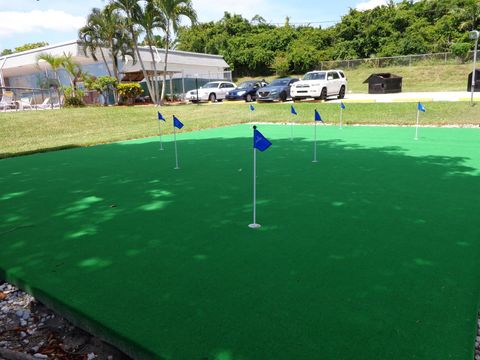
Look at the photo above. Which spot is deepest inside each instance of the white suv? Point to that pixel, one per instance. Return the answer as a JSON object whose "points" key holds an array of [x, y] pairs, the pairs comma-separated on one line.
{"points": [[320, 85], [211, 91]]}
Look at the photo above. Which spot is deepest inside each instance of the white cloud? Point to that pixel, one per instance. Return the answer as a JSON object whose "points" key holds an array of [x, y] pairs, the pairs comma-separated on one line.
{"points": [[367, 5], [16, 22]]}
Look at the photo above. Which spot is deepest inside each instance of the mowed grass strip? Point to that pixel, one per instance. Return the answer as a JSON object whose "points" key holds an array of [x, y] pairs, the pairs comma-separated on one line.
{"points": [[35, 131]]}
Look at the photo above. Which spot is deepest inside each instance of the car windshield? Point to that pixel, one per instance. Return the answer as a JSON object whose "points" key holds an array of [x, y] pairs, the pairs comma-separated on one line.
{"points": [[246, 84], [280, 82], [210, 85], [314, 76]]}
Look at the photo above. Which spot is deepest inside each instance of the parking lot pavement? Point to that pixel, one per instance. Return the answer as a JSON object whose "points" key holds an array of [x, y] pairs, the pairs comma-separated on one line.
{"points": [[385, 98], [411, 97]]}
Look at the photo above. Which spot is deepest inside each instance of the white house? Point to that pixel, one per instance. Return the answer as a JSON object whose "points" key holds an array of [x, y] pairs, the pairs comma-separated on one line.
{"points": [[23, 71]]}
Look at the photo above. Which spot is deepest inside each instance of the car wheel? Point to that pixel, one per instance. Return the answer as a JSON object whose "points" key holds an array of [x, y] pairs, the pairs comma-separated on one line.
{"points": [[294, 99], [248, 98], [283, 96], [341, 93], [323, 95], [212, 97]]}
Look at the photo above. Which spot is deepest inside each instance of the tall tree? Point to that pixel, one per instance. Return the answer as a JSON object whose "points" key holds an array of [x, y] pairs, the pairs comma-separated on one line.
{"points": [[133, 12], [55, 62], [173, 11], [150, 19], [91, 37], [114, 33], [73, 69], [106, 28]]}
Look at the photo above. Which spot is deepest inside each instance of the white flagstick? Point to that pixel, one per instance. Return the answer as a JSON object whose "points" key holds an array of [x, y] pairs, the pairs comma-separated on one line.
{"points": [[175, 141], [254, 225], [160, 135], [416, 128], [315, 143], [341, 116]]}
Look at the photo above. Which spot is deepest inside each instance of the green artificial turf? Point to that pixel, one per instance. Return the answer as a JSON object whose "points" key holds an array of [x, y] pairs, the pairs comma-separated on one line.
{"points": [[371, 253]]}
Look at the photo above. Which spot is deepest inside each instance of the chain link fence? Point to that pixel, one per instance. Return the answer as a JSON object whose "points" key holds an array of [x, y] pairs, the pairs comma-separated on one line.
{"points": [[406, 60], [21, 98], [182, 83]]}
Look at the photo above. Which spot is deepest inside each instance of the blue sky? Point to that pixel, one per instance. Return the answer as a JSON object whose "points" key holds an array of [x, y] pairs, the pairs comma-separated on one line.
{"points": [[25, 21]]}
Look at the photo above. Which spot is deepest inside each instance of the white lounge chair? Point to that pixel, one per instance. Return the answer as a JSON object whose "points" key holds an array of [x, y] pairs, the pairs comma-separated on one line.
{"points": [[44, 105], [25, 103], [60, 103], [7, 101]]}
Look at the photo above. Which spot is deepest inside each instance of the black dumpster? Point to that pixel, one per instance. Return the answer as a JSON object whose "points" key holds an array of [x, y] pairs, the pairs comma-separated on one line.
{"points": [[477, 81], [384, 83]]}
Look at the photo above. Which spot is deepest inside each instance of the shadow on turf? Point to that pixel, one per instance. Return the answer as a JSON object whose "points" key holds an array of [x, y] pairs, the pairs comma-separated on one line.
{"points": [[355, 251], [36, 151]]}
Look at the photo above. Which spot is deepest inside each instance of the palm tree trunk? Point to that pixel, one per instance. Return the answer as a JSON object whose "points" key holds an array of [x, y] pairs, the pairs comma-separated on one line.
{"points": [[105, 62], [149, 87], [154, 82], [115, 71], [167, 41], [155, 73]]}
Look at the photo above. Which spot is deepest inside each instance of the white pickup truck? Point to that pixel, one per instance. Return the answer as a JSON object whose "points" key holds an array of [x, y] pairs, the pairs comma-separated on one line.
{"points": [[320, 85]]}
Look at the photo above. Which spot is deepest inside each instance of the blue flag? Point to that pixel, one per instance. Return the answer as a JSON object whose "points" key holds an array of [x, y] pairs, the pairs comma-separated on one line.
{"points": [[260, 142], [252, 108], [317, 116], [420, 107], [293, 111], [342, 105], [177, 123], [160, 116]]}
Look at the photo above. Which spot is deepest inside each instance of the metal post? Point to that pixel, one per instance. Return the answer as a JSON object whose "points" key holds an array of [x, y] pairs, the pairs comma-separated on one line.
{"points": [[196, 87], [474, 35], [183, 85], [315, 143], [50, 95], [416, 128], [2, 79], [341, 117], [160, 135], [33, 98], [254, 225], [176, 153]]}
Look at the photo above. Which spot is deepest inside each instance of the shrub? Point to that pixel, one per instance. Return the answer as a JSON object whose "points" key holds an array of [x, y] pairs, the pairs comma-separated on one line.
{"points": [[129, 91], [460, 50], [73, 98], [73, 101], [103, 84]]}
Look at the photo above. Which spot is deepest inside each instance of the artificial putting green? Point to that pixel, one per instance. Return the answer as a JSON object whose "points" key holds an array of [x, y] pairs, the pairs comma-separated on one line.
{"points": [[371, 253]]}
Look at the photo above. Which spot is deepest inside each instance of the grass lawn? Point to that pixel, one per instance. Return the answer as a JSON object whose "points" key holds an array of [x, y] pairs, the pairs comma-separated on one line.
{"points": [[372, 253], [32, 131], [449, 77]]}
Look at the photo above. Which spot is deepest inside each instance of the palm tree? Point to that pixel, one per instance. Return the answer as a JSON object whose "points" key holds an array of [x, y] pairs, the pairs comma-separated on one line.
{"points": [[91, 38], [114, 33], [55, 63], [149, 20], [172, 11], [73, 69], [133, 11]]}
